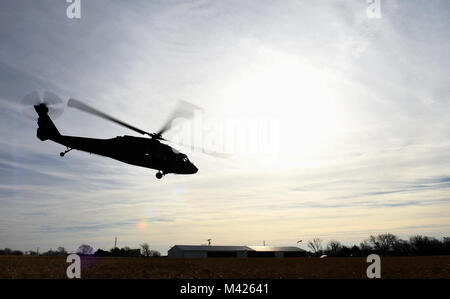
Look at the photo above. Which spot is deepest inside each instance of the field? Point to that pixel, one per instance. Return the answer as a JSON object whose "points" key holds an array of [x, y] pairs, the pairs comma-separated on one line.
{"points": [[258, 268]]}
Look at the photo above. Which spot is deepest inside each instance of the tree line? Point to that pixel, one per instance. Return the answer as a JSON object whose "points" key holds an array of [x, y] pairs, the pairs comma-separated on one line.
{"points": [[87, 250], [143, 251], [384, 245]]}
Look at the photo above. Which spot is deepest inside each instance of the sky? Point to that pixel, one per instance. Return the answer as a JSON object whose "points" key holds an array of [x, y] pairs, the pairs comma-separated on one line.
{"points": [[335, 120]]}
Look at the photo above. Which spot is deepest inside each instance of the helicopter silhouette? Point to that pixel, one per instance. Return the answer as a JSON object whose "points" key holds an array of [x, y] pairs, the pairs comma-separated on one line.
{"points": [[138, 151]]}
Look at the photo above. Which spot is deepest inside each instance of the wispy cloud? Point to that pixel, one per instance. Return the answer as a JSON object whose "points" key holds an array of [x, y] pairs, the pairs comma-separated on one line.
{"points": [[98, 227], [362, 103]]}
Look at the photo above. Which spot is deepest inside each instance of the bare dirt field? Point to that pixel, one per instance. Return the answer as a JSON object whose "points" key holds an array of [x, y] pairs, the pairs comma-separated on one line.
{"points": [[230, 268]]}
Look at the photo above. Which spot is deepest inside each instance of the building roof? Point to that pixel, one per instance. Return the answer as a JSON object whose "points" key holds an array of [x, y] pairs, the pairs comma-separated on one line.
{"points": [[275, 248], [210, 248], [234, 248]]}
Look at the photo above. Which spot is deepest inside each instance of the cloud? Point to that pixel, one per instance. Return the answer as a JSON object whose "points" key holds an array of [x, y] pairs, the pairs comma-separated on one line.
{"points": [[101, 226], [362, 106]]}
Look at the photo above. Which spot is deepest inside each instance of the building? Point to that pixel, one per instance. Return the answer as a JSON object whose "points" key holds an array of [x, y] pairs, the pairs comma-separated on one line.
{"points": [[203, 251]]}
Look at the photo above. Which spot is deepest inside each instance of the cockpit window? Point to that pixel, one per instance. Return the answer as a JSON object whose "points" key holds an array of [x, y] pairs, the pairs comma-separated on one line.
{"points": [[182, 157]]}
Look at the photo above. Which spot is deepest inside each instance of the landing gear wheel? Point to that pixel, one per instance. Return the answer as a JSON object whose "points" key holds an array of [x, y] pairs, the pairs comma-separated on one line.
{"points": [[65, 152], [159, 175]]}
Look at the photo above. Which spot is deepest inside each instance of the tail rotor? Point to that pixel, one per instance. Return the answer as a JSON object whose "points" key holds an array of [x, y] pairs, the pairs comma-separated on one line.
{"points": [[49, 103]]}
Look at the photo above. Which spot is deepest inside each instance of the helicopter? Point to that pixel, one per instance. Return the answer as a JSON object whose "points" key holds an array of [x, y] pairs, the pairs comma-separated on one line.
{"points": [[139, 151]]}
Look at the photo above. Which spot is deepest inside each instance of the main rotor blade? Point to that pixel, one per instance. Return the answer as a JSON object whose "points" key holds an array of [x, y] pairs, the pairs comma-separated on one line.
{"points": [[183, 110], [51, 99], [83, 107], [31, 99]]}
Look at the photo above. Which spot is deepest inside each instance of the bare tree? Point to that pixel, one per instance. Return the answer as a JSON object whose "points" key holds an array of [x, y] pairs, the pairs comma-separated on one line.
{"points": [[365, 245], [383, 242], [315, 245], [85, 250], [155, 253], [334, 247], [62, 251], [387, 241], [145, 250]]}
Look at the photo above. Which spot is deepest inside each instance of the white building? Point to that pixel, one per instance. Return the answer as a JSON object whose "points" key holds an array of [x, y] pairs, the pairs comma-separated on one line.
{"points": [[203, 251]]}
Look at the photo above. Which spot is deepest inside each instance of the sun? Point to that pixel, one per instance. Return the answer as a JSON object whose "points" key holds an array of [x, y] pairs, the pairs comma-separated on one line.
{"points": [[280, 85]]}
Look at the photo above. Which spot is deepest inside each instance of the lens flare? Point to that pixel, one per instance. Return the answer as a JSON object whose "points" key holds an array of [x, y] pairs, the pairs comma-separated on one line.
{"points": [[142, 224]]}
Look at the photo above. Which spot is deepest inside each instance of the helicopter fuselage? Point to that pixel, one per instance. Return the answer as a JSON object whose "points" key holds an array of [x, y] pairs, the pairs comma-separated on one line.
{"points": [[133, 150], [139, 151]]}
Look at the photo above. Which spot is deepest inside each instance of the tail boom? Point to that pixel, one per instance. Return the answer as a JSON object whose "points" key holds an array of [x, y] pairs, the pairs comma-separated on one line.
{"points": [[46, 128]]}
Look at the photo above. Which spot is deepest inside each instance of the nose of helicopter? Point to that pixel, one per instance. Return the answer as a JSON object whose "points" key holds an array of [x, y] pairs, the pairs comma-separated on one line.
{"points": [[193, 169]]}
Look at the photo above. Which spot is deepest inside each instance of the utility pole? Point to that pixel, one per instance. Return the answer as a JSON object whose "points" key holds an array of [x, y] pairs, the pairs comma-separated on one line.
{"points": [[115, 243]]}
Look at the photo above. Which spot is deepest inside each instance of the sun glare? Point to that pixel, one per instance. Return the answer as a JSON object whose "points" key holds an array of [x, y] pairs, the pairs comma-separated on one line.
{"points": [[283, 86]]}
